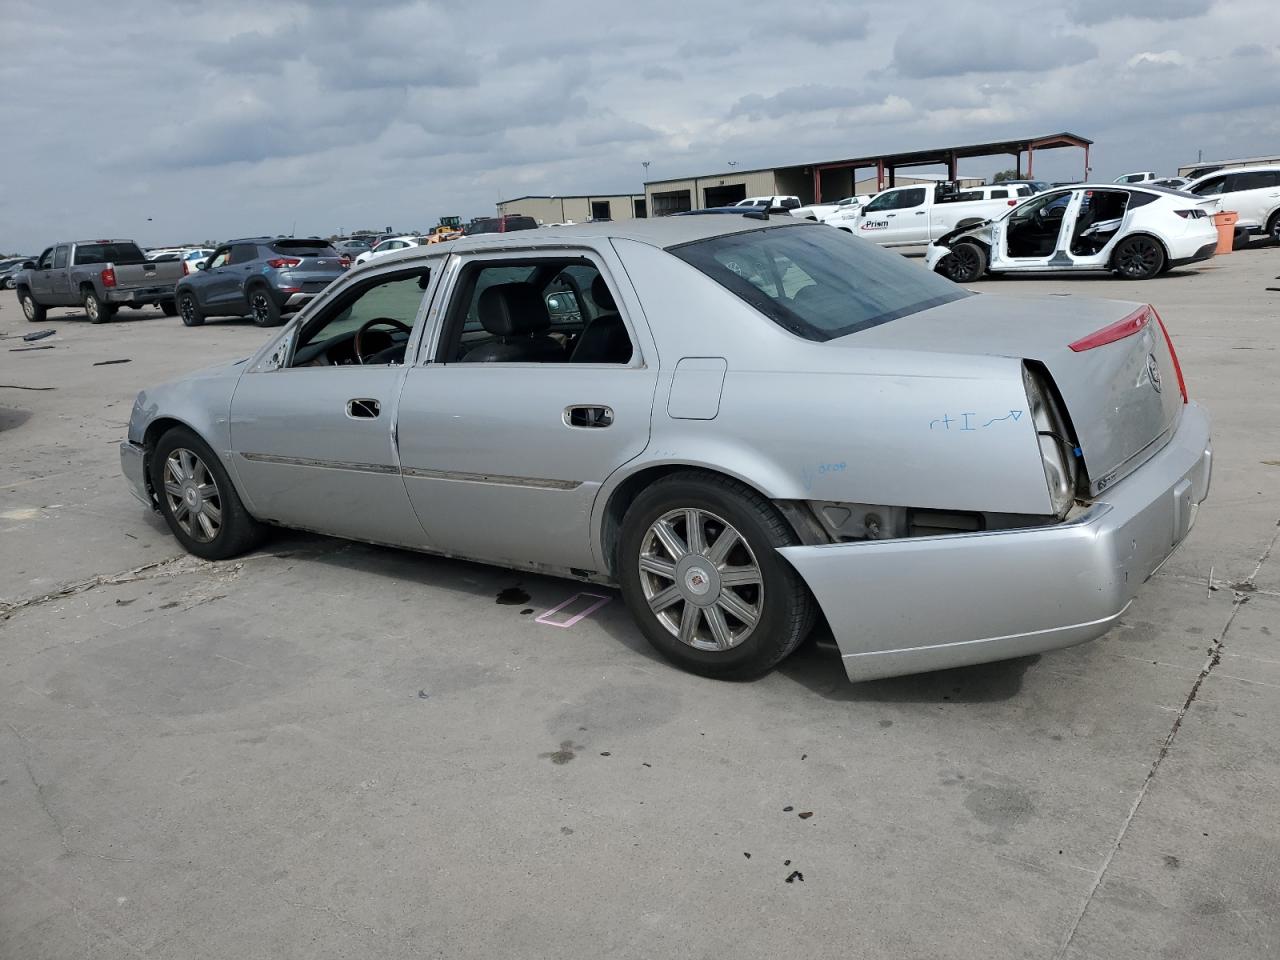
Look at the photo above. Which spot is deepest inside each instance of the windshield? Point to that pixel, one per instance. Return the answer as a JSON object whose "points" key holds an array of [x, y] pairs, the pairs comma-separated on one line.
{"points": [[817, 282], [121, 254]]}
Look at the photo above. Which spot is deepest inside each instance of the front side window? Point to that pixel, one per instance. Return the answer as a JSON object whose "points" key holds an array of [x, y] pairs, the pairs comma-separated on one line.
{"points": [[816, 282], [368, 323], [220, 259], [541, 310], [46, 260]]}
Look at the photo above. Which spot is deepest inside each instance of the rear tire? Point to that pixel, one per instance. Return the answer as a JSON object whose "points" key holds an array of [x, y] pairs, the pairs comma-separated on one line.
{"points": [[33, 311], [96, 309], [169, 308], [677, 585], [189, 309], [1138, 258], [966, 263], [263, 308], [197, 499]]}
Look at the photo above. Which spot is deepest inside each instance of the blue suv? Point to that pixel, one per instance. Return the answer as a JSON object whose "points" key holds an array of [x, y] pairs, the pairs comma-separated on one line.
{"points": [[264, 278]]}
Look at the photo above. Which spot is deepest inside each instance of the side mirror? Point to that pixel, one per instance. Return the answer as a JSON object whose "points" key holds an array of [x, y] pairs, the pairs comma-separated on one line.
{"points": [[29, 265], [201, 265]]}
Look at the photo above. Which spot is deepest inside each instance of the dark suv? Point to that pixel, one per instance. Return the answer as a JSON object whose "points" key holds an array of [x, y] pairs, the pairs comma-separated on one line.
{"points": [[262, 277], [504, 224]]}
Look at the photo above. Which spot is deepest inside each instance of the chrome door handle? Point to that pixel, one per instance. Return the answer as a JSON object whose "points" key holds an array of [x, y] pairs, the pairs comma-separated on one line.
{"points": [[363, 408], [919, 213], [584, 415]]}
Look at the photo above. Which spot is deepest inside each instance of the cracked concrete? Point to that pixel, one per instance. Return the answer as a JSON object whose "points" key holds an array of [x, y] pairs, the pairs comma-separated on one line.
{"points": [[330, 750]]}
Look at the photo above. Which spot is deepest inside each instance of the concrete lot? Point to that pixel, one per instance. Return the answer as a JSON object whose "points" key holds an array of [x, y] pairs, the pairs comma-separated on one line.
{"points": [[333, 750]]}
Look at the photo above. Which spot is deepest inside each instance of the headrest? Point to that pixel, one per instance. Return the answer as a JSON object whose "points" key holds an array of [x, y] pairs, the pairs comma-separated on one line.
{"points": [[512, 309], [601, 295]]}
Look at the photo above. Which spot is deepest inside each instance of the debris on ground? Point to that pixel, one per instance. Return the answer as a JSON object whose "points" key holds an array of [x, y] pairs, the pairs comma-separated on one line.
{"points": [[43, 346], [805, 815], [40, 334], [794, 876], [107, 363], [18, 386]]}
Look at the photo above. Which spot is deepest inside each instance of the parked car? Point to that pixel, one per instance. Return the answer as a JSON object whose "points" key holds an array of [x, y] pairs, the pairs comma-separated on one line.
{"points": [[822, 212], [1171, 183], [352, 248], [760, 213], [194, 259], [262, 277], [948, 478], [1135, 232], [1144, 176], [9, 269], [915, 215], [389, 245], [100, 275], [1252, 192], [1037, 186], [169, 256], [503, 224], [788, 201]]}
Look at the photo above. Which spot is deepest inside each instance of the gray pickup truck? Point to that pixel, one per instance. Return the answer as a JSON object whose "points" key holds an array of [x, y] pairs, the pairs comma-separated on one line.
{"points": [[100, 275]]}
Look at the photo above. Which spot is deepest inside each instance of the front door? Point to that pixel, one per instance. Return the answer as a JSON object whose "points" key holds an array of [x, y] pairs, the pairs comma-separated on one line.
{"points": [[538, 387], [314, 440], [216, 282], [896, 217], [1032, 236], [41, 279]]}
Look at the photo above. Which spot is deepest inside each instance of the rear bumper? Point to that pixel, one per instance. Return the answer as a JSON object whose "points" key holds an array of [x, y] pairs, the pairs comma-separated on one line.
{"points": [[908, 606], [133, 465], [141, 295], [296, 301], [1203, 253]]}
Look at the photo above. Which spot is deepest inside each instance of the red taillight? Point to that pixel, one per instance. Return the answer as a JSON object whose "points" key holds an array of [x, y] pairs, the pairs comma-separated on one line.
{"points": [[1190, 214], [345, 261], [186, 269], [280, 263], [1173, 355], [1013, 203], [108, 277], [1115, 331]]}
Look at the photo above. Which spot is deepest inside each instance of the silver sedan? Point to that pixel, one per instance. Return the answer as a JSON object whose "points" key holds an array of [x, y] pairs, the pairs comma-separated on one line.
{"points": [[741, 422]]}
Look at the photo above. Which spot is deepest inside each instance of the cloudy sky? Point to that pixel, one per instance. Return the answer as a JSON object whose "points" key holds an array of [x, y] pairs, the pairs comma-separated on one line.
{"points": [[182, 122]]}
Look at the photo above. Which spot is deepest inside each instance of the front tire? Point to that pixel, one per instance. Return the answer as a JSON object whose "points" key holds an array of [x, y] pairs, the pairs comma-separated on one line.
{"points": [[96, 309], [197, 499], [189, 309], [263, 308], [966, 263], [700, 571], [1273, 228], [1138, 258], [34, 312]]}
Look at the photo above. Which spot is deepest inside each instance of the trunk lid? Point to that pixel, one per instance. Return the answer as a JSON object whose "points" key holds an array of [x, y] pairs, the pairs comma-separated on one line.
{"points": [[1122, 398]]}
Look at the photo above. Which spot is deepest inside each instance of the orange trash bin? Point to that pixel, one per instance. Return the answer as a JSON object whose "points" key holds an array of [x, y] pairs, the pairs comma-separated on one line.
{"points": [[1226, 224]]}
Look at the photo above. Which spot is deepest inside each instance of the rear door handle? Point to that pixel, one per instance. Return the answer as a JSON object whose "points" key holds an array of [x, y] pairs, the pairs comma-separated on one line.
{"points": [[363, 408], [584, 415]]}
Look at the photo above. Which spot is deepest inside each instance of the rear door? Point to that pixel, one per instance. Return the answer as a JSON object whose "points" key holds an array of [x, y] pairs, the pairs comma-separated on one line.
{"points": [[1253, 194], [503, 460], [60, 291]]}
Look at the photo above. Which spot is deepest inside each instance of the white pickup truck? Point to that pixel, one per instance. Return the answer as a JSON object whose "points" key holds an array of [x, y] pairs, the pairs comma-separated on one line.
{"points": [[919, 214]]}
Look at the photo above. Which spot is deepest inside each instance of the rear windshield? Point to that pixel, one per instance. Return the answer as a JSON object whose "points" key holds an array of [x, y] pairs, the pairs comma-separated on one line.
{"points": [[817, 282], [121, 254], [305, 248]]}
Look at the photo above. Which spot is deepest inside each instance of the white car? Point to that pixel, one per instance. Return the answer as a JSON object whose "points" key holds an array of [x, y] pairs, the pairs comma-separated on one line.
{"points": [[390, 245], [1144, 176], [823, 212], [1135, 232], [1252, 192], [1171, 183], [788, 203], [193, 259]]}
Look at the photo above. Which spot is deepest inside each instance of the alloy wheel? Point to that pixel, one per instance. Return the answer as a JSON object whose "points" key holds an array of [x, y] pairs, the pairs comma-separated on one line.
{"points": [[701, 579], [1138, 258], [192, 495], [964, 263], [188, 307], [261, 308], [29, 308], [91, 307]]}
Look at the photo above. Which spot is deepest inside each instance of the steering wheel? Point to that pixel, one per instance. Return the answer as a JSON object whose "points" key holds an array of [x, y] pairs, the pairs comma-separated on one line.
{"points": [[357, 345]]}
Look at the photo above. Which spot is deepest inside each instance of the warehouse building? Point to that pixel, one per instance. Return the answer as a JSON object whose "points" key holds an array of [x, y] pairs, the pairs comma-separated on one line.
{"points": [[576, 209], [832, 180], [1196, 169]]}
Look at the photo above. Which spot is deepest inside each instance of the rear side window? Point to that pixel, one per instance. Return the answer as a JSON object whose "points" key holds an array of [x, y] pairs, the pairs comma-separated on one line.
{"points": [[817, 282], [121, 254], [1254, 180], [243, 252], [59, 257]]}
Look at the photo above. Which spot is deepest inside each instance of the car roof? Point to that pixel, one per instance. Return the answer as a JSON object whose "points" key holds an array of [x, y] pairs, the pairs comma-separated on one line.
{"points": [[661, 232], [1253, 168]]}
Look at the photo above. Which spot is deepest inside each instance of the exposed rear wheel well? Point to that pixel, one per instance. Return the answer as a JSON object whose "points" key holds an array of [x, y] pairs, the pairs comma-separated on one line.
{"points": [[622, 498]]}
